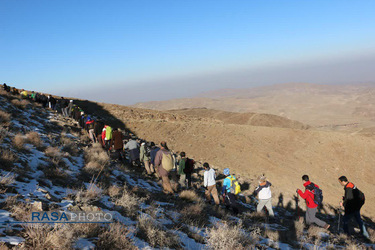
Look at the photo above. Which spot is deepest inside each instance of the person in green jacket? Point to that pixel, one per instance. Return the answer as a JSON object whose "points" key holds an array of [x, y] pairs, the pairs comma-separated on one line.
{"points": [[181, 168]]}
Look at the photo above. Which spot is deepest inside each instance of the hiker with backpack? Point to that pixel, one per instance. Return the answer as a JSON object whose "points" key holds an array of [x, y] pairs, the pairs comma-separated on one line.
{"points": [[353, 200], [264, 195], [314, 197], [164, 163], [181, 170], [154, 150], [117, 144], [230, 189], [210, 183], [144, 157], [133, 147]]}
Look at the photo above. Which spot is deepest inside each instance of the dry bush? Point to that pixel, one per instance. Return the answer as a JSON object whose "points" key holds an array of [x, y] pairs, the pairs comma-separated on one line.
{"points": [[11, 201], [194, 215], [54, 153], [114, 191], [19, 141], [154, 234], [371, 232], [34, 139], [272, 235], [7, 159], [55, 173], [128, 202], [21, 104], [93, 167], [190, 195], [4, 117], [68, 145], [92, 193], [20, 210], [3, 246], [97, 154], [84, 138], [41, 236], [299, 226], [116, 236], [315, 232], [8, 179], [223, 236], [86, 230]]}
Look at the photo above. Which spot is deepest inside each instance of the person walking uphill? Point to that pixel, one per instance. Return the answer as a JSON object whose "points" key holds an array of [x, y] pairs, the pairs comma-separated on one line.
{"points": [[144, 156], [229, 191], [309, 196], [116, 143], [164, 163], [133, 148], [264, 194], [210, 183], [353, 201]]}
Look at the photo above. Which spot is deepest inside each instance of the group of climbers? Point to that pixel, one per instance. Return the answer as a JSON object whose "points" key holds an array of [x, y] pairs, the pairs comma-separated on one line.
{"points": [[160, 161]]}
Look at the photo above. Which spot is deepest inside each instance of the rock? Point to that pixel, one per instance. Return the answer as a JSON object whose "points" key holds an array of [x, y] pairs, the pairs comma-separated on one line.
{"points": [[39, 206]]}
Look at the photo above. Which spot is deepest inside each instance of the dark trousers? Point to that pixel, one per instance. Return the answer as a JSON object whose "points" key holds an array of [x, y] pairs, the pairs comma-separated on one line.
{"points": [[231, 202], [188, 178], [348, 216]]}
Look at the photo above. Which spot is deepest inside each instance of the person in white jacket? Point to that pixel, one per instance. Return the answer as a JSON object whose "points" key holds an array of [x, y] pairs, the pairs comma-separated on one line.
{"points": [[210, 183], [264, 194]]}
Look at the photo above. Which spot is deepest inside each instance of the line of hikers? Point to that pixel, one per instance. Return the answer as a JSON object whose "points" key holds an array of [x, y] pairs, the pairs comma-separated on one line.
{"points": [[162, 163]]}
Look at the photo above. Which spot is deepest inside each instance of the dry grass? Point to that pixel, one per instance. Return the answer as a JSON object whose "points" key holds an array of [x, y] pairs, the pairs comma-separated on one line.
{"points": [[20, 210], [40, 236], [97, 154], [223, 236], [34, 139], [194, 215], [19, 141], [4, 117], [190, 195], [272, 235], [154, 234], [68, 145], [7, 159], [300, 226], [54, 153], [8, 179], [116, 236], [128, 202], [21, 104], [114, 191], [84, 138], [92, 193], [93, 167], [86, 230]]}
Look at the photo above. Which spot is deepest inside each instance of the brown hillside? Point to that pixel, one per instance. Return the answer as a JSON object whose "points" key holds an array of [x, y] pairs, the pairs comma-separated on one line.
{"points": [[283, 154]]}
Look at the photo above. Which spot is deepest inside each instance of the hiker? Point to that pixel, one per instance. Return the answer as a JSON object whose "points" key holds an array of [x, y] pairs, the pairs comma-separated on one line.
{"points": [[116, 142], [210, 183], [352, 203], [51, 102], [98, 128], [90, 123], [228, 191], [70, 109], [144, 157], [188, 170], [24, 94], [164, 163], [181, 169], [64, 106], [154, 150], [108, 137], [311, 204], [264, 195], [133, 147], [33, 96]]}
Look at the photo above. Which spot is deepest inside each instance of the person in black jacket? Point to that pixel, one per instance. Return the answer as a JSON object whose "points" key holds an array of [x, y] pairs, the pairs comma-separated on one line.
{"points": [[352, 203]]}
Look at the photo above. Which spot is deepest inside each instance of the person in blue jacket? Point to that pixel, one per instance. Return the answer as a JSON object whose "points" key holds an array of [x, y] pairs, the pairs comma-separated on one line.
{"points": [[228, 197]]}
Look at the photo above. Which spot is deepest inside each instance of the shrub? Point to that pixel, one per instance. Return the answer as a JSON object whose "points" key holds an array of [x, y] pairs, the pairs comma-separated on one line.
{"points": [[190, 195], [93, 167], [116, 236], [68, 145], [18, 141], [34, 139], [20, 103], [92, 193], [4, 117], [113, 191], [194, 215], [86, 230], [154, 234], [54, 153], [39, 236], [8, 179], [7, 159], [128, 202], [97, 154], [223, 236]]}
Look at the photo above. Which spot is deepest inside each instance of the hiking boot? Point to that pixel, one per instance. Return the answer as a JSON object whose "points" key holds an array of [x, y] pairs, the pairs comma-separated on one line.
{"points": [[327, 226]]}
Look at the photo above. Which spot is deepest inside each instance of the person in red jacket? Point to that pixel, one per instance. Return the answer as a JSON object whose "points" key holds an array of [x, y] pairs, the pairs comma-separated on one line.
{"points": [[311, 209]]}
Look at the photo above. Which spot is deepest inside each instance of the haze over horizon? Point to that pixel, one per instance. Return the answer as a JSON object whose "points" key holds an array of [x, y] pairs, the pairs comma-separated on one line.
{"points": [[129, 52]]}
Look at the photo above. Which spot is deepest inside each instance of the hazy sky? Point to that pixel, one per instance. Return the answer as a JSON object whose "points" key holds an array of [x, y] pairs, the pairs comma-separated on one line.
{"points": [[130, 51]]}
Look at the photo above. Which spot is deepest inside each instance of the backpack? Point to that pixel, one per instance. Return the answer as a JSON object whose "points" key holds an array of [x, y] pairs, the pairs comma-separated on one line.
{"points": [[318, 194], [147, 150], [108, 133], [235, 187], [360, 196], [167, 162], [189, 166]]}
